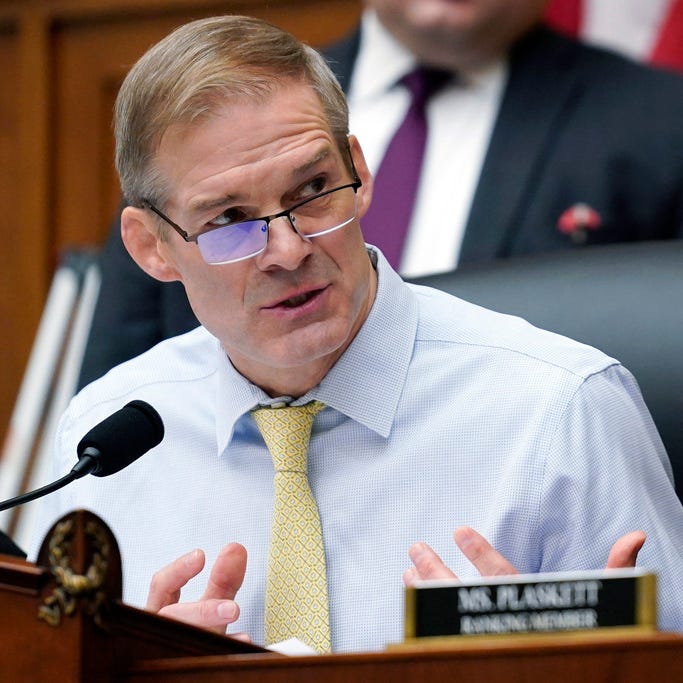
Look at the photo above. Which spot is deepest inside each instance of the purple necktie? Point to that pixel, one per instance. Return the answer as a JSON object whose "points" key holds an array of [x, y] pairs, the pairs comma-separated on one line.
{"points": [[386, 222]]}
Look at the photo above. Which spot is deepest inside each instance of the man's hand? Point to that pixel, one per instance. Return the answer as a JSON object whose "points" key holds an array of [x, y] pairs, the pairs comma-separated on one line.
{"points": [[489, 562], [624, 552], [217, 607]]}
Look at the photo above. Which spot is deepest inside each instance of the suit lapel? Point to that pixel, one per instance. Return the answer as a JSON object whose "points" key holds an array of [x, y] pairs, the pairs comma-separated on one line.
{"points": [[541, 86]]}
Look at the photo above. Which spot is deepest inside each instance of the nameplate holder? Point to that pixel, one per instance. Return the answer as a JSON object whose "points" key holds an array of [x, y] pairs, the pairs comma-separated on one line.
{"points": [[532, 603]]}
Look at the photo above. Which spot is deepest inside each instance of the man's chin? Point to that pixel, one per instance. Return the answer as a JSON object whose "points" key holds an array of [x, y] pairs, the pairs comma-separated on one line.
{"points": [[296, 359]]}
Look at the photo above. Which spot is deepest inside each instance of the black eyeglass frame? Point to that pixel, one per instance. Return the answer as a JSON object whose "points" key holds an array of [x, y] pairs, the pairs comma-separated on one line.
{"points": [[356, 183]]}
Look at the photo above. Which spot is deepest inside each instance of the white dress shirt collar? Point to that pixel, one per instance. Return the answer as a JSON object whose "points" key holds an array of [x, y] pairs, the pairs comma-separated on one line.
{"points": [[382, 61], [371, 372]]}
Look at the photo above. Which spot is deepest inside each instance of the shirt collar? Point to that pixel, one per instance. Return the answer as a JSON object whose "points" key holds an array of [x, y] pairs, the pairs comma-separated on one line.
{"points": [[382, 61], [365, 384], [235, 396]]}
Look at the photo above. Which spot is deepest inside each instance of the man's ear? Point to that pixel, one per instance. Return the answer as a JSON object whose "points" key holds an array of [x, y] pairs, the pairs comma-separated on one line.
{"points": [[139, 233], [364, 194]]}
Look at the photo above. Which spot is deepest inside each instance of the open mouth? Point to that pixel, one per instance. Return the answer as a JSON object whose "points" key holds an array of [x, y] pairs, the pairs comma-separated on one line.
{"points": [[297, 300]]}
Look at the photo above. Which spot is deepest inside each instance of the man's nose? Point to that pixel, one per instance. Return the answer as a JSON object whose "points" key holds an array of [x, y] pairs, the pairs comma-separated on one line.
{"points": [[286, 247]]}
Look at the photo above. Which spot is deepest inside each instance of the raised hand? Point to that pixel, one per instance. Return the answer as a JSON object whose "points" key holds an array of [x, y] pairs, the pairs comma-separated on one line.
{"points": [[217, 607], [428, 565]]}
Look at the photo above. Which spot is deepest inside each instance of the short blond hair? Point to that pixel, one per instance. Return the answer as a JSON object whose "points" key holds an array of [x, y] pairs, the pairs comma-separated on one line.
{"points": [[194, 71]]}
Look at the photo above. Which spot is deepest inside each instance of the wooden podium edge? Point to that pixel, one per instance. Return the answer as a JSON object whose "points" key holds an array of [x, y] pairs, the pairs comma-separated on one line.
{"points": [[404, 663], [81, 554], [66, 613], [182, 638]]}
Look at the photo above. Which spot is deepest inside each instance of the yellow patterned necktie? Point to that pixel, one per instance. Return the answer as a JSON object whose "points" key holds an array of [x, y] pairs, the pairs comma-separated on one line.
{"points": [[296, 587]]}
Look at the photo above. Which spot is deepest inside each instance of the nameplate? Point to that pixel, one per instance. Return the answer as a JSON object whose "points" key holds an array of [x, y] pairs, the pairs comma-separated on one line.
{"points": [[532, 603]]}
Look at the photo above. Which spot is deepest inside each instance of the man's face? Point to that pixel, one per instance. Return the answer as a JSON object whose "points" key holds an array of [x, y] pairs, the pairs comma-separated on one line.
{"points": [[458, 33], [287, 314]]}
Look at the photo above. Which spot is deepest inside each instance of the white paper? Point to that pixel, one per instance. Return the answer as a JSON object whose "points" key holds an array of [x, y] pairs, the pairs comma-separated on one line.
{"points": [[292, 647]]}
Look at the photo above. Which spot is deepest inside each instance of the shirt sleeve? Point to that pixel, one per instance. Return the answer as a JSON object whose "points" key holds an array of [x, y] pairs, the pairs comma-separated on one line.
{"points": [[607, 473]]}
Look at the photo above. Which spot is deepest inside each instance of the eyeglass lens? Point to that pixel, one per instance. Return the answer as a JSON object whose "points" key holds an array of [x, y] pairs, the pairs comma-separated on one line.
{"points": [[240, 241], [233, 242]]}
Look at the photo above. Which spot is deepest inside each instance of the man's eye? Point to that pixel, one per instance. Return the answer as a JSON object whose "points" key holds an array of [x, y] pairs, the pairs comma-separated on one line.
{"points": [[229, 216], [313, 187]]}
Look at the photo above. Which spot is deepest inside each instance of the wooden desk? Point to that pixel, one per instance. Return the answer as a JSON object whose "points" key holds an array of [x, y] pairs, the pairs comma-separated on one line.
{"points": [[58, 629], [646, 659]]}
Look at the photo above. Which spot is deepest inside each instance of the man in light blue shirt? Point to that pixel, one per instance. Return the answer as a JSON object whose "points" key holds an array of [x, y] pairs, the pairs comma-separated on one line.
{"points": [[439, 414]]}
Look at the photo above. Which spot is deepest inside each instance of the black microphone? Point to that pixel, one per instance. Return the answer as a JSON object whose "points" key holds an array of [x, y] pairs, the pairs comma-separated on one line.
{"points": [[108, 447]]}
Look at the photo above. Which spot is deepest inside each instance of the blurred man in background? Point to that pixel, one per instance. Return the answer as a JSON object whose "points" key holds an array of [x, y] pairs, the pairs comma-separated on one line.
{"points": [[532, 142]]}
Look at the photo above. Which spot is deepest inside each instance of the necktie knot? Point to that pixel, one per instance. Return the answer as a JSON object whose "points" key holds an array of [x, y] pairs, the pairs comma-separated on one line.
{"points": [[287, 432], [423, 82]]}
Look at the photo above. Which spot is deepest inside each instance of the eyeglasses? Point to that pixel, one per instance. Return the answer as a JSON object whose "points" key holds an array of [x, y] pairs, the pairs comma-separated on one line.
{"points": [[318, 215]]}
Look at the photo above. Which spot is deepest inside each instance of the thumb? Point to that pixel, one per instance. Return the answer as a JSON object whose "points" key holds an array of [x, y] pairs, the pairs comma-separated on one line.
{"points": [[624, 552]]}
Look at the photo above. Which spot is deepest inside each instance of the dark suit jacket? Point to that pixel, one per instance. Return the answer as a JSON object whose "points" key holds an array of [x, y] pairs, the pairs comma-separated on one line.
{"points": [[9, 547], [577, 125]]}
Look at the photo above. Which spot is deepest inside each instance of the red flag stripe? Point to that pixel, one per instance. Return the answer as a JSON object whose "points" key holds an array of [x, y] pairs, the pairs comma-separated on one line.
{"points": [[668, 50], [565, 16]]}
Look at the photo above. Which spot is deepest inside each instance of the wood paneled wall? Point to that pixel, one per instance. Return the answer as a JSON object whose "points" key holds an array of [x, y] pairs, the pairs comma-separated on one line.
{"points": [[61, 63]]}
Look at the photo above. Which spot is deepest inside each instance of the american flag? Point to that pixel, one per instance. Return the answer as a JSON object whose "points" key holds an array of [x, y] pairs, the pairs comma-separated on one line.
{"points": [[647, 30]]}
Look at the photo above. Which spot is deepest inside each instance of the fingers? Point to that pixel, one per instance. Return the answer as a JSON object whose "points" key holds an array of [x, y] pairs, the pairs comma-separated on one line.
{"points": [[214, 614], [166, 583], [427, 565], [624, 552], [487, 560], [227, 573], [216, 608]]}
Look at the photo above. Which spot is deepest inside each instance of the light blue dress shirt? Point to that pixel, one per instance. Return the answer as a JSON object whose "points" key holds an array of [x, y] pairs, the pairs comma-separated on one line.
{"points": [[440, 413]]}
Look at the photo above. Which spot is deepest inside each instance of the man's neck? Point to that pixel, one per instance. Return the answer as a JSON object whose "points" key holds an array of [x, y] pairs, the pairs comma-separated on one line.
{"points": [[299, 379]]}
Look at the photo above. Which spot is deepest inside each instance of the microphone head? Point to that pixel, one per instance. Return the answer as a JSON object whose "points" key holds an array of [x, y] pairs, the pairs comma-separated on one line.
{"points": [[122, 438]]}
